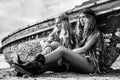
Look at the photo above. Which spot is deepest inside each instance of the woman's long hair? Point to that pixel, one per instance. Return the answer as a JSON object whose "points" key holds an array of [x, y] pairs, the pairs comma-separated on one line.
{"points": [[66, 26], [91, 25]]}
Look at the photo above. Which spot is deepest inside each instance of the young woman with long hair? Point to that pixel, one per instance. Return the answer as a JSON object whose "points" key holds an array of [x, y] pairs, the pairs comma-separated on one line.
{"points": [[62, 34]]}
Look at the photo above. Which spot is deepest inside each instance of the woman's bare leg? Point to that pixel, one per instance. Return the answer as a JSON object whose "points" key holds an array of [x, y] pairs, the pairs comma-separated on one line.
{"points": [[76, 60]]}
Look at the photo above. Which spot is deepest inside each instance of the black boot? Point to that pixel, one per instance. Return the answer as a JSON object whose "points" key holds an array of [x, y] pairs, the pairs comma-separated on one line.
{"points": [[40, 58], [32, 68]]}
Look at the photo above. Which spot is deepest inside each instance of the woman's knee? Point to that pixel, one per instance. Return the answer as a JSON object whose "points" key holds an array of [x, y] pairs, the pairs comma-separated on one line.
{"points": [[62, 49], [55, 44]]}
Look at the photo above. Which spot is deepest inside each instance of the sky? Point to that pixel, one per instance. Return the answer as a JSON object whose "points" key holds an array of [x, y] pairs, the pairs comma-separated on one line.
{"points": [[15, 14]]}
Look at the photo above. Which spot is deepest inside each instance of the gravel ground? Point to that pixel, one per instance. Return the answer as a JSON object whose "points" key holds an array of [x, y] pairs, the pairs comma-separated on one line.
{"points": [[8, 74]]}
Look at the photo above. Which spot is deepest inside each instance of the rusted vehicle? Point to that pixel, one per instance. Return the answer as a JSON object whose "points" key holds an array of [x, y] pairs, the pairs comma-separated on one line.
{"points": [[26, 41]]}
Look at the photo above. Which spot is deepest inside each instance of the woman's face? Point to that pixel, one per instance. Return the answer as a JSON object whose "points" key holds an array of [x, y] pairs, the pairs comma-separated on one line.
{"points": [[82, 19], [58, 23]]}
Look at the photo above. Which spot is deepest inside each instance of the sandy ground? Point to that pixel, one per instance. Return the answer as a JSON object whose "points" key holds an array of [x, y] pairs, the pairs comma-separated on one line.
{"points": [[8, 74]]}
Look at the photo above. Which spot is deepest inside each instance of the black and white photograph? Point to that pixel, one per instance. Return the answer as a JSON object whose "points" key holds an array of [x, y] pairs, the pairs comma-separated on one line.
{"points": [[59, 39]]}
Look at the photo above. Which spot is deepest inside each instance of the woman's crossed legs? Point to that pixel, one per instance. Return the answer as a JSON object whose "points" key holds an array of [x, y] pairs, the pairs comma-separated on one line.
{"points": [[78, 62]]}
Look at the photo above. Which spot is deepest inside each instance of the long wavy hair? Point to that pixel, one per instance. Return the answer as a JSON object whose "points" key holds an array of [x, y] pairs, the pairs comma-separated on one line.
{"points": [[66, 26], [80, 32]]}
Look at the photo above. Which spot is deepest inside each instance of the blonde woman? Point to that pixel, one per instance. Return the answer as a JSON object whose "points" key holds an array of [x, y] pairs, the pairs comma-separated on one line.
{"points": [[62, 34]]}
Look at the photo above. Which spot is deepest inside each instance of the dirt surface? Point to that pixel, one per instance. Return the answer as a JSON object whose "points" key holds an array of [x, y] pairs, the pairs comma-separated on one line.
{"points": [[9, 74]]}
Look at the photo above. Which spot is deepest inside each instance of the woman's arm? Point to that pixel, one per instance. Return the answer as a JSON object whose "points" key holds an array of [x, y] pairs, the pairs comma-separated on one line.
{"points": [[89, 44], [50, 37]]}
